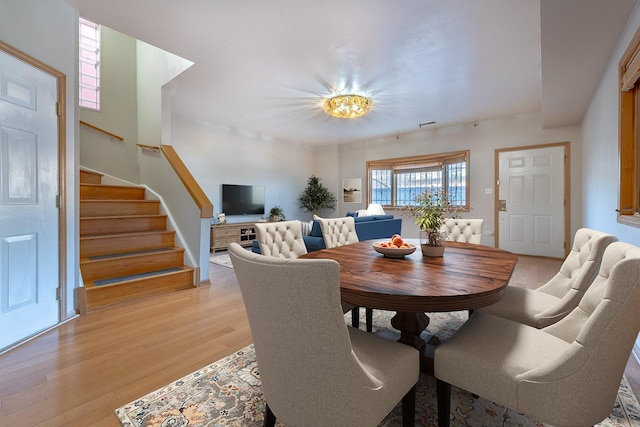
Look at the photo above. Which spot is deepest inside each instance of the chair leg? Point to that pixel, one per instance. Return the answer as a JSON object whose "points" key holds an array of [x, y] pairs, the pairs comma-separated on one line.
{"points": [[409, 408], [355, 317], [369, 314], [443, 391], [269, 418]]}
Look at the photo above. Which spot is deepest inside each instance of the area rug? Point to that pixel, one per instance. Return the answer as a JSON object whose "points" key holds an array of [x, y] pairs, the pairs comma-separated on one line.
{"points": [[227, 393], [222, 260]]}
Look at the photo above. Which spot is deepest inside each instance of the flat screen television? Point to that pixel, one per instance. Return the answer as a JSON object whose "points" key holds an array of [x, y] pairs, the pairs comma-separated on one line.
{"points": [[242, 199]]}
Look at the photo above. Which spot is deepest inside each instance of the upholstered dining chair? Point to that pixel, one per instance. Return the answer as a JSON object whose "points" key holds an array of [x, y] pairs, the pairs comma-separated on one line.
{"points": [[463, 230], [339, 232], [566, 374], [281, 239], [315, 370], [555, 299]]}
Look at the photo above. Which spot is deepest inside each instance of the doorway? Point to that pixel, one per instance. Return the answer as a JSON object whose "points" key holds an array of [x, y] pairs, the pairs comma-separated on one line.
{"points": [[31, 247], [532, 206]]}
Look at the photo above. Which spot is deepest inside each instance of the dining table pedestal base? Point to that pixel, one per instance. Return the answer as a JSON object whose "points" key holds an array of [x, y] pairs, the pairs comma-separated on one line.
{"points": [[411, 325]]}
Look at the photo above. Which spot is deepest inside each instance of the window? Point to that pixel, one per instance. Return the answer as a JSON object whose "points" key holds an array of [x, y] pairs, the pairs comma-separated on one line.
{"points": [[629, 190], [396, 182], [89, 59]]}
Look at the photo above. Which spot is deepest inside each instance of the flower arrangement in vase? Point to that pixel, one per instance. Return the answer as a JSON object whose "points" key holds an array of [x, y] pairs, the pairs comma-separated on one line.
{"points": [[430, 211]]}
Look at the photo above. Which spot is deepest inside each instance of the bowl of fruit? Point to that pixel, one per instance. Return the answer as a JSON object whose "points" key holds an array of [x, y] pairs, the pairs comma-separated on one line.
{"points": [[395, 247]]}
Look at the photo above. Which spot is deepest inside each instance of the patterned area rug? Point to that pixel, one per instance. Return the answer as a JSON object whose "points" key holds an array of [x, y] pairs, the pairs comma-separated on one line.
{"points": [[227, 393], [222, 260]]}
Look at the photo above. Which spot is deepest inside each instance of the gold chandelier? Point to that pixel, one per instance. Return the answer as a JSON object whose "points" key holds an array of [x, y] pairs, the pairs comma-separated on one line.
{"points": [[347, 106]]}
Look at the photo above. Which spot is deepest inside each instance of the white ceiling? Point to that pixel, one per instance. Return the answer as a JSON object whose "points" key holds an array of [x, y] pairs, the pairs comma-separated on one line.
{"points": [[263, 66]]}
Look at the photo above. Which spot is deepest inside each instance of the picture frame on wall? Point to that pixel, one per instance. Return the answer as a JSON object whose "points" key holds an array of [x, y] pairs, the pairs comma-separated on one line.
{"points": [[352, 190]]}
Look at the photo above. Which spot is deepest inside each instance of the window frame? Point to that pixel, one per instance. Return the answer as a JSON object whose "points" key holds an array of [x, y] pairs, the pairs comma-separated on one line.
{"points": [[629, 110], [82, 59], [415, 162]]}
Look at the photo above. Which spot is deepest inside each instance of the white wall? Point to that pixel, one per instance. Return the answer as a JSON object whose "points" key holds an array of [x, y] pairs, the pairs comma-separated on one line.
{"points": [[326, 166], [156, 68], [118, 111], [482, 139], [600, 153], [48, 32], [217, 155]]}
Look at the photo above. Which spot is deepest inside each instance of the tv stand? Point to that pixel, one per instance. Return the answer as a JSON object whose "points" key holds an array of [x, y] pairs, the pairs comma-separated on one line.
{"points": [[222, 235]]}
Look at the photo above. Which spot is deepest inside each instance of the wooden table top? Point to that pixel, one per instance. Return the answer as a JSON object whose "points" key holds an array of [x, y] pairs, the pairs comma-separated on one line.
{"points": [[468, 276]]}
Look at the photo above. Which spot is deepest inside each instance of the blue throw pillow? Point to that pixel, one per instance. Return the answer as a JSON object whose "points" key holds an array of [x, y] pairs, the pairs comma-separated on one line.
{"points": [[315, 229], [353, 214]]}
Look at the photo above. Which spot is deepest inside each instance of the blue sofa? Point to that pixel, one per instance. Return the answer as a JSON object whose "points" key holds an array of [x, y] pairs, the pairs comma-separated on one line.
{"points": [[367, 227]]}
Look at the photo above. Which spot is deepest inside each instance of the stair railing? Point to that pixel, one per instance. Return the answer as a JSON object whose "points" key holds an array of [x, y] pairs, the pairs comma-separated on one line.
{"points": [[160, 169], [199, 197], [106, 132]]}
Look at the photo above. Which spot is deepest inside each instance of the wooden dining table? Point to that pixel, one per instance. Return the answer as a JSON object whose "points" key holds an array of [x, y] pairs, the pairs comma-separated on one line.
{"points": [[467, 277]]}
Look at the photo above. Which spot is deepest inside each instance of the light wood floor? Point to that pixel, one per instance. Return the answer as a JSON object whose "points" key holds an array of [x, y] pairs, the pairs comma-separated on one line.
{"points": [[79, 373]]}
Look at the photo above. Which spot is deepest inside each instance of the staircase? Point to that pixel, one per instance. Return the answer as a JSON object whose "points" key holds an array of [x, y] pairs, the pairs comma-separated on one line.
{"points": [[126, 251]]}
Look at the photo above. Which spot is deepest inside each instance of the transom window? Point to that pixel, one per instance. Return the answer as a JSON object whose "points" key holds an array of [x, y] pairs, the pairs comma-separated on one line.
{"points": [[89, 59], [397, 182]]}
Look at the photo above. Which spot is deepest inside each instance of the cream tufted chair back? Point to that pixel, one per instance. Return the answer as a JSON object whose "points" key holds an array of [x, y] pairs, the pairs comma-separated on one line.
{"points": [[463, 230], [556, 298], [281, 239], [566, 374], [338, 231], [314, 369]]}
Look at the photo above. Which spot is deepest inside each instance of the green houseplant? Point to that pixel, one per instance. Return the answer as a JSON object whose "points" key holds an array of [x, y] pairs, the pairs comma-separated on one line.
{"points": [[276, 214], [316, 196], [430, 211]]}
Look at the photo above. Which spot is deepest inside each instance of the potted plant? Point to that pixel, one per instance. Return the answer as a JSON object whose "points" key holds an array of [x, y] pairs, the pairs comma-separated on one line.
{"points": [[276, 214], [429, 213], [316, 196]]}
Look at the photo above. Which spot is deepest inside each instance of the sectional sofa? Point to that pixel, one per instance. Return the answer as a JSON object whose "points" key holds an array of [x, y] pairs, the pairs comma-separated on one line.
{"points": [[367, 227]]}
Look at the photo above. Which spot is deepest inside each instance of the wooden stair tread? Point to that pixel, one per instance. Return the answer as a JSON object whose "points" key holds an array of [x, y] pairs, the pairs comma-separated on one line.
{"points": [[119, 201], [121, 280], [109, 185], [111, 217], [132, 234], [128, 254], [121, 224], [126, 265], [90, 177], [106, 192], [115, 293]]}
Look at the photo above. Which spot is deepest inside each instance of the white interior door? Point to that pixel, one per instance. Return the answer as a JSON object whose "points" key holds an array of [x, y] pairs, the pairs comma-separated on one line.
{"points": [[29, 255], [531, 201]]}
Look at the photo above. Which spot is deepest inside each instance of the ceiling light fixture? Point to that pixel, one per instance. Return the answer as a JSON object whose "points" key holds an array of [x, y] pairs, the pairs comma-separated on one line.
{"points": [[347, 106]]}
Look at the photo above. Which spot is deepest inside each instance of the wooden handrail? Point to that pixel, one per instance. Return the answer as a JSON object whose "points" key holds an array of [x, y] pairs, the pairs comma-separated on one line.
{"points": [[112, 135], [149, 147], [201, 199]]}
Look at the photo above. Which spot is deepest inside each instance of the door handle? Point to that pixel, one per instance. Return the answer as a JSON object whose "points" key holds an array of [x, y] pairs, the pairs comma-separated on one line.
{"points": [[502, 205]]}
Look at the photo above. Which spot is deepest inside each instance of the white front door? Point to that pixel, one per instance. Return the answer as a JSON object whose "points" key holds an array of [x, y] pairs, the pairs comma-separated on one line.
{"points": [[531, 208], [29, 268]]}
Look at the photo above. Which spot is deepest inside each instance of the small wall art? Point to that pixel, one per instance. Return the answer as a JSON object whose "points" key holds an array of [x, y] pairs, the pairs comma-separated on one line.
{"points": [[352, 190]]}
